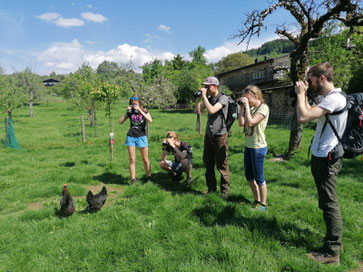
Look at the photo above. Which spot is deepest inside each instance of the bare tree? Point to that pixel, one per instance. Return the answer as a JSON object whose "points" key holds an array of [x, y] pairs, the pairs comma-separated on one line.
{"points": [[311, 17]]}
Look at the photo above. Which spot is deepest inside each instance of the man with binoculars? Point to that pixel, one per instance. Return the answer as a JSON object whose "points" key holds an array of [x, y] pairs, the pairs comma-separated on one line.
{"points": [[182, 152], [215, 140]]}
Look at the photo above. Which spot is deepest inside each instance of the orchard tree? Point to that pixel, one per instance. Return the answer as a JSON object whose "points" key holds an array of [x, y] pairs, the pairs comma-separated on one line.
{"points": [[107, 94], [160, 94], [85, 80], [311, 16], [31, 84], [11, 96]]}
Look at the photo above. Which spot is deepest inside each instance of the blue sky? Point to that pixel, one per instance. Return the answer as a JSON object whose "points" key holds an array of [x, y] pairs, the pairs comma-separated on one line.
{"points": [[60, 35]]}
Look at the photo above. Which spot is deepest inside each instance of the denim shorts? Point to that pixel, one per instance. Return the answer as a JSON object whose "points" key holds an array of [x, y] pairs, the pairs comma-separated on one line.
{"points": [[177, 166], [140, 142], [253, 162]]}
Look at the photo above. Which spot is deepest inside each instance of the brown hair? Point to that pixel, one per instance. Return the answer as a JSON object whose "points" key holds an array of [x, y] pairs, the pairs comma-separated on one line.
{"points": [[137, 98], [256, 91], [322, 69], [172, 134]]}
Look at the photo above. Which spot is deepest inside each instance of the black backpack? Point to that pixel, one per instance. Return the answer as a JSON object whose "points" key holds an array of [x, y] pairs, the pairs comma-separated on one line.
{"points": [[352, 139], [232, 113]]}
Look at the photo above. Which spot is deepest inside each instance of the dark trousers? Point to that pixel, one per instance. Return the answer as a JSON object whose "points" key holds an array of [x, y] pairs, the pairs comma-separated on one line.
{"points": [[216, 153], [325, 173]]}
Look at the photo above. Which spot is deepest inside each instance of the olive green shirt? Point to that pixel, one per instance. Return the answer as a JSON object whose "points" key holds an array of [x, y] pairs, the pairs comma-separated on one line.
{"points": [[255, 136]]}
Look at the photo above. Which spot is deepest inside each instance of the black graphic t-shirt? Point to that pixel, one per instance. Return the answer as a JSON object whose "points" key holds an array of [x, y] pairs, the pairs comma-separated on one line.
{"points": [[137, 125]]}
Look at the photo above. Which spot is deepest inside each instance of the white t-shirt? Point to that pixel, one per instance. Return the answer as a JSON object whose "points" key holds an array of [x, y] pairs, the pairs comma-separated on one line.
{"points": [[323, 144]]}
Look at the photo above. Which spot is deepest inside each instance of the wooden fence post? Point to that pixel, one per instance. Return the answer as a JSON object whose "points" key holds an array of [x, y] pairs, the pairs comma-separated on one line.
{"points": [[199, 125], [83, 130]]}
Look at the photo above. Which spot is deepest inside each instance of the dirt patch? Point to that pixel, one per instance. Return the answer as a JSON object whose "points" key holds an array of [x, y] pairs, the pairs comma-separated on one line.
{"points": [[278, 157], [35, 206], [360, 269]]}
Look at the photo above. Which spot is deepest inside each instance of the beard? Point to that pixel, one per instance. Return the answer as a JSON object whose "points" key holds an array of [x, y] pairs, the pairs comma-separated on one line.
{"points": [[317, 89]]}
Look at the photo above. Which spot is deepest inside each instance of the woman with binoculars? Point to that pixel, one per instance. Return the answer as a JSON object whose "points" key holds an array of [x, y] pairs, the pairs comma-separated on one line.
{"points": [[253, 116]]}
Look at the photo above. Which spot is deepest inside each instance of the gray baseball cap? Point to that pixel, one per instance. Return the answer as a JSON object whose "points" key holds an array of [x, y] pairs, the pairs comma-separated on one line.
{"points": [[211, 81]]}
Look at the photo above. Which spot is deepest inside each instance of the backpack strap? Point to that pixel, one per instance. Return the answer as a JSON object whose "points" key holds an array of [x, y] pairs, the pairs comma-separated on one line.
{"points": [[335, 113]]}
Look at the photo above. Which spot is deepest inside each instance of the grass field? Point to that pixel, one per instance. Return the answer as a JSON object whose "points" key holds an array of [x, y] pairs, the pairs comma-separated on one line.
{"points": [[162, 225]]}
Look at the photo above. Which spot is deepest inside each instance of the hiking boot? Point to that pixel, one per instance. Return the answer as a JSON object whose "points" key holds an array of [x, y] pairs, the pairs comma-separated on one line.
{"points": [[324, 258], [255, 204], [189, 180], [133, 181], [147, 179], [259, 207]]}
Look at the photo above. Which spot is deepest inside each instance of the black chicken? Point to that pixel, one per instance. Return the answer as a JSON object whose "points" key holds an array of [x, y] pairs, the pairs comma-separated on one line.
{"points": [[66, 203], [95, 202]]}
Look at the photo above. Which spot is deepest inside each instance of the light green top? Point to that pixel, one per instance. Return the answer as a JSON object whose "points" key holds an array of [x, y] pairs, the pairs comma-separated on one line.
{"points": [[255, 136]]}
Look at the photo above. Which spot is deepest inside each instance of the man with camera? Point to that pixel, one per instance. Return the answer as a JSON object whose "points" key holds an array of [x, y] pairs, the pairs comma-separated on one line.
{"points": [[215, 140], [182, 152], [326, 161]]}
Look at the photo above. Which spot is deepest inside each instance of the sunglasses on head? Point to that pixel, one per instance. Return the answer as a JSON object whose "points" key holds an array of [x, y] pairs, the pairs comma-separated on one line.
{"points": [[249, 90], [134, 98]]}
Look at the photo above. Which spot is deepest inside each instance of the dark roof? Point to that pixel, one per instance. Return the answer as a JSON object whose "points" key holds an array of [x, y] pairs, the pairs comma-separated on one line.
{"points": [[50, 80], [253, 64]]}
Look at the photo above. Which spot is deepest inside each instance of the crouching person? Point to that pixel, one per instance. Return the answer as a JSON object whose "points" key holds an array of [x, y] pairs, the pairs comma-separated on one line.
{"points": [[182, 152]]}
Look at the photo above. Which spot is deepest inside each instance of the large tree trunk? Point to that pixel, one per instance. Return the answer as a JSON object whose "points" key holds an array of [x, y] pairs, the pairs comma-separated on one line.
{"points": [[31, 103], [298, 67]]}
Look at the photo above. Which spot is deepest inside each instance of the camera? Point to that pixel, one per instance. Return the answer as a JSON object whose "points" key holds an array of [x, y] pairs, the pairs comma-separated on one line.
{"points": [[239, 102], [309, 93], [165, 146], [133, 110], [197, 94]]}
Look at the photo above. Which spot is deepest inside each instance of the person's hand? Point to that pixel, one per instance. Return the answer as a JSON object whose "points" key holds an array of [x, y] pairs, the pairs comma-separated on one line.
{"points": [[136, 107], [301, 87], [171, 142], [245, 102], [128, 108], [204, 91]]}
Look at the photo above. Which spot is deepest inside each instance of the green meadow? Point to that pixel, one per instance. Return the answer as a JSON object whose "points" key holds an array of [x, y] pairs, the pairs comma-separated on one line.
{"points": [[162, 225]]}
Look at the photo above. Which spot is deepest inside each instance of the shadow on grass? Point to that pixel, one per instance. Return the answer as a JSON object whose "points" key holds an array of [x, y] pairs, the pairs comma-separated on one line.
{"points": [[216, 212], [67, 164], [166, 183], [108, 178], [185, 111], [238, 198]]}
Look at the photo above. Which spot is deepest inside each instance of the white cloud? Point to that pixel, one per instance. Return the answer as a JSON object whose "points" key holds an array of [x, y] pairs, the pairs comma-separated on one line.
{"points": [[164, 28], [58, 20], [93, 17], [69, 22], [65, 57], [91, 42], [89, 6], [49, 16]]}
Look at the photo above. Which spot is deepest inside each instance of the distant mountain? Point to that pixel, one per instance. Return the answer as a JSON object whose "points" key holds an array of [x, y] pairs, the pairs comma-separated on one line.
{"points": [[272, 48]]}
